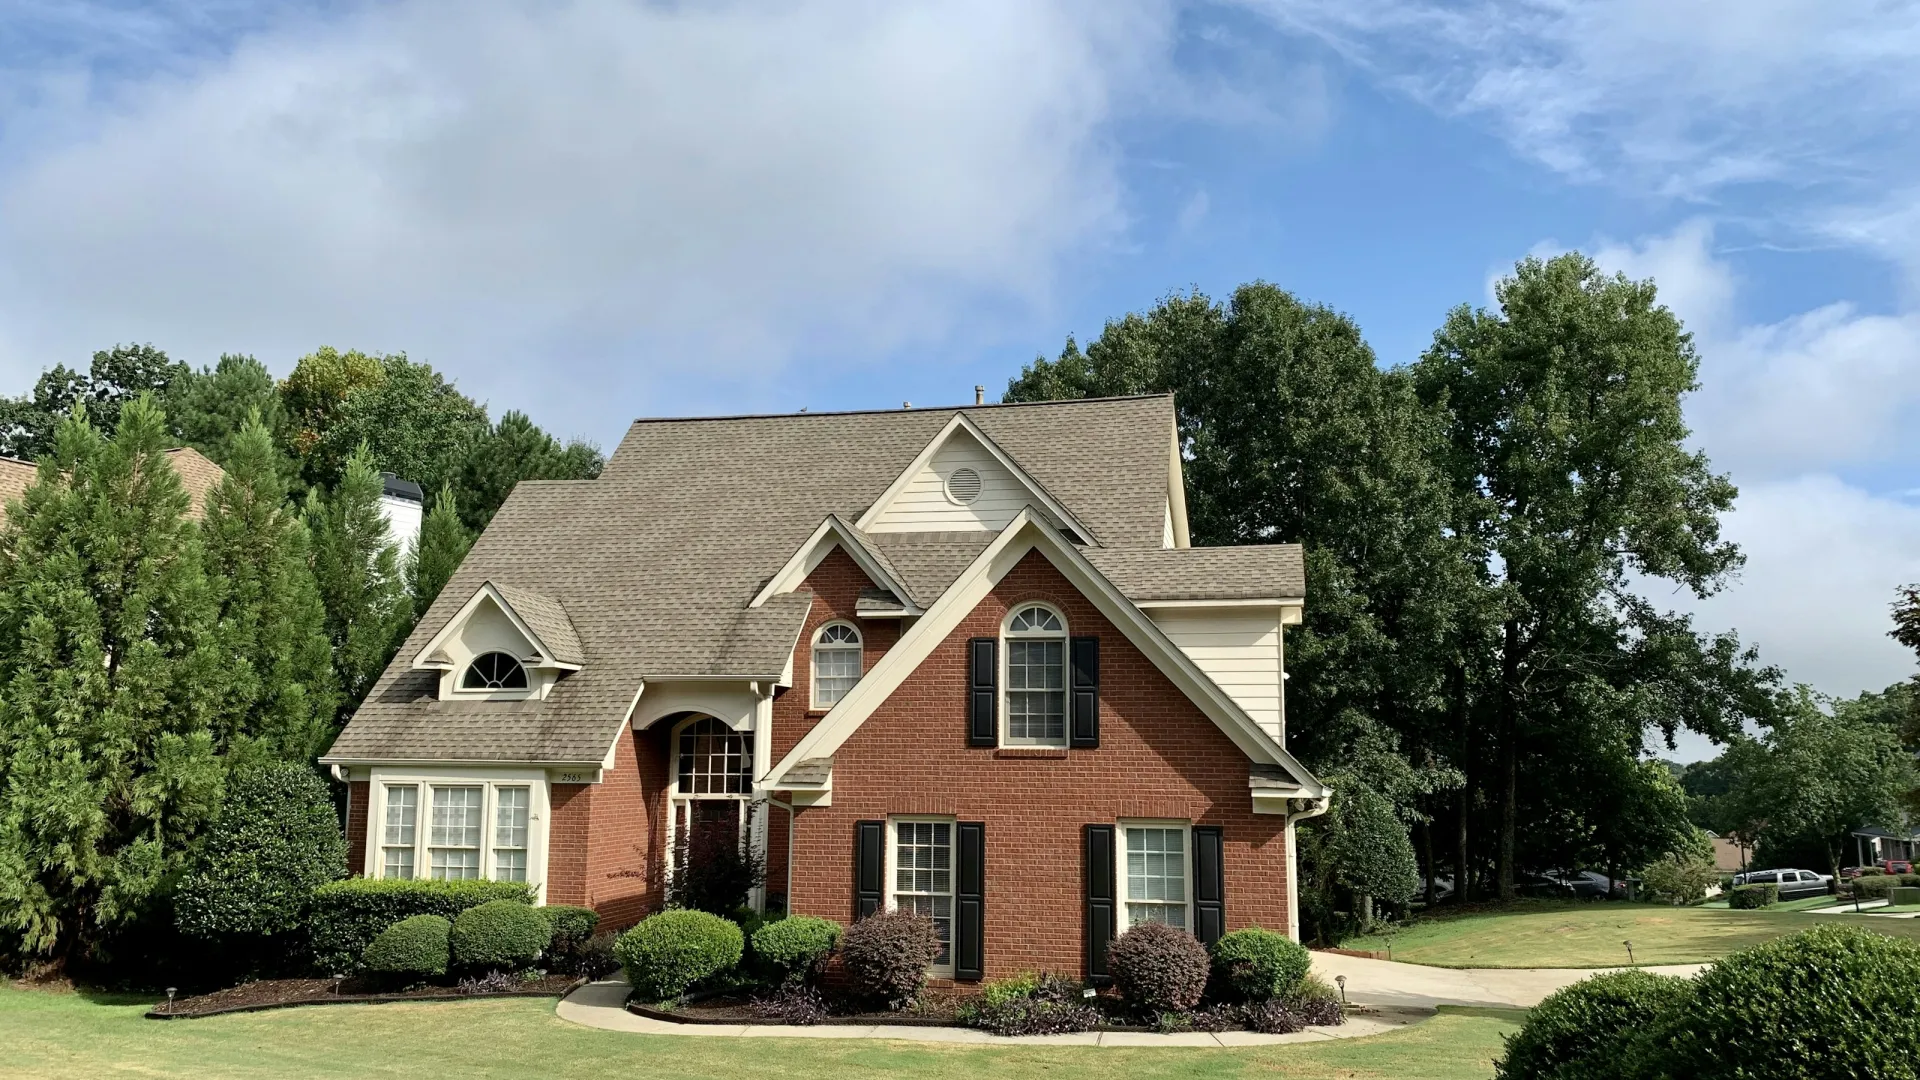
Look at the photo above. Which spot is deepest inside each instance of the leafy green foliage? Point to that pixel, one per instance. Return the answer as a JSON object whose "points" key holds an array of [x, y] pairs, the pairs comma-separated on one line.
{"points": [[1587, 1031], [499, 935], [515, 450], [1158, 968], [277, 841], [347, 915], [572, 932], [209, 408], [113, 682], [1031, 1005], [1678, 880], [1362, 847], [29, 425], [1831, 1001], [357, 568], [315, 393], [1751, 897], [1881, 886], [416, 946], [436, 554], [793, 949], [412, 421], [1259, 964], [887, 955], [668, 953]]}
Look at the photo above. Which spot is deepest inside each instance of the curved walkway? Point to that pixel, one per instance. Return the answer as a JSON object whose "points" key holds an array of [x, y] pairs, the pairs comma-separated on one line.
{"points": [[603, 1005], [1388, 983]]}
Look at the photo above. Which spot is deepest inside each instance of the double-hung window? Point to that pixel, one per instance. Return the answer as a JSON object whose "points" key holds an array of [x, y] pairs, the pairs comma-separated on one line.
{"points": [[923, 878], [455, 844], [510, 810], [397, 833], [456, 830], [1036, 677], [1154, 875], [836, 663]]}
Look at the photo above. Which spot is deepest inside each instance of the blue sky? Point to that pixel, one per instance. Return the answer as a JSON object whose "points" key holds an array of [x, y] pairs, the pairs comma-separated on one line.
{"points": [[597, 210]]}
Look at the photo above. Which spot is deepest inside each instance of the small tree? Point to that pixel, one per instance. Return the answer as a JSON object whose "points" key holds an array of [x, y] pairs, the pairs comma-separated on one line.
{"points": [[1824, 775], [436, 554], [357, 567], [1367, 849], [713, 871]]}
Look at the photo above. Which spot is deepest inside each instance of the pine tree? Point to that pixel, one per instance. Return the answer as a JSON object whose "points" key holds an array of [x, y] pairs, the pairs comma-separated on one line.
{"points": [[515, 450], [358, 570], [442, 543], [283, 691], [111, 680], [211, 407]]}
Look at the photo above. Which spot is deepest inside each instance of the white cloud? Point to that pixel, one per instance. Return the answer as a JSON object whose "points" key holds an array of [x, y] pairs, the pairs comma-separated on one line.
{"points": [[717, 186]]}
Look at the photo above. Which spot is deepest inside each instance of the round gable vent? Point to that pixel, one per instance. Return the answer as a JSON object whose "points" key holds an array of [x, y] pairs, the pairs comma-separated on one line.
{"points": [[963, 486]]}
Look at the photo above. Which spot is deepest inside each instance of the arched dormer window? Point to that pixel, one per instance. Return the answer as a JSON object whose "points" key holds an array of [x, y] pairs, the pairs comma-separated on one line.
{"points": [[836, 663], [494, 671], [1036, 677]]}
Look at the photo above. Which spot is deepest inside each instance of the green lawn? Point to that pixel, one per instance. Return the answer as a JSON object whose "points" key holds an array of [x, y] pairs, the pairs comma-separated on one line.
{"points": [[65, 1035], [1551, 934], [1805, 903]]}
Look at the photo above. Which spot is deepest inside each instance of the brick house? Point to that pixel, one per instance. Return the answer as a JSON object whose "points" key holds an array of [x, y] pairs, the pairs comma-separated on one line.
{"points": [[958, 660]]}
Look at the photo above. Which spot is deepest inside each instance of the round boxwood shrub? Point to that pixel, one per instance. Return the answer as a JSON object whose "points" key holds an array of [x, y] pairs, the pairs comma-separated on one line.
{"points": [[348, 915], [499, 935], [416, 947], [1258, 964], [669, 952], [1585, 1031], [573, 929], [1159, 968], [887, 956], [793, 949], [277, 840], [1749, 897], [1830, 1001]]}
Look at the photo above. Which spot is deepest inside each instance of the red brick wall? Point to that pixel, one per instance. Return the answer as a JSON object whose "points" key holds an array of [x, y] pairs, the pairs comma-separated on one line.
{"points": [[570, 808], [1159, 757], [358, 794], [625, 852], [836, 585]]}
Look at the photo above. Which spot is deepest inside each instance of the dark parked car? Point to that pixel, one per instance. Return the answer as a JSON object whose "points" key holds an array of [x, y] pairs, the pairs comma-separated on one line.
{"points": [[1794, 884], [1582, 883]]}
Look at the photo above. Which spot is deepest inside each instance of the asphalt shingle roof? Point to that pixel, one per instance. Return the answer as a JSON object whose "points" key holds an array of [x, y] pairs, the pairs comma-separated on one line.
{"points": [[1223, 573]]}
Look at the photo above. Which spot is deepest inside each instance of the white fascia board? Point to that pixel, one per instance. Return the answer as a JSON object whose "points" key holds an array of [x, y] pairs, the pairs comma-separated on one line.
{"points": [[486, 591], [1025, 533], [459, 763], [1266, 602], [1034, 488], [832, 533], [1177, 490]]}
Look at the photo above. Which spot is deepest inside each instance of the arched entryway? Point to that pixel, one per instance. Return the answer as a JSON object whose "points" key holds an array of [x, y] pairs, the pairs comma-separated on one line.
{"points": [[709, 791]]}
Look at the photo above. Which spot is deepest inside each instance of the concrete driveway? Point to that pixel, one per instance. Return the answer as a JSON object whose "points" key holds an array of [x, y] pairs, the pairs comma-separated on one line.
{"points": [[1387, 983]]}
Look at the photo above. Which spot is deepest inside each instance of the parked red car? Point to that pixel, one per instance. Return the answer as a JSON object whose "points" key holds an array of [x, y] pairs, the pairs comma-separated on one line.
{"points": [[1897, 866]]}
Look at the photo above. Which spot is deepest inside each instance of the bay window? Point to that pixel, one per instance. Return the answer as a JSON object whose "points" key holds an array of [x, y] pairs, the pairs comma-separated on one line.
{"points": [[458, 828]]}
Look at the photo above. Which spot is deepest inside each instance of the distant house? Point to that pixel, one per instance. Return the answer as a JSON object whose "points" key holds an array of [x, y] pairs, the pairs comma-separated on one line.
{"points": [[1729, 856], [1877, 843], [198, 475], [961, 661], [402, 503]]}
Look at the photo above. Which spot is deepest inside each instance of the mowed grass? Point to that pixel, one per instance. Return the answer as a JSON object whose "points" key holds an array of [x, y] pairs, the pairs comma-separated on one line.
{"points": [[67, 1036], [1554, 934], [1805, 903]]}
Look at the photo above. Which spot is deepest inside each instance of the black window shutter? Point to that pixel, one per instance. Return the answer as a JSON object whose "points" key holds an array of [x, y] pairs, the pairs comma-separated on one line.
{"points": [[970, 896], [1209, 884], [1086, 692], [983, 691], [1102, 909], [869, 867]]}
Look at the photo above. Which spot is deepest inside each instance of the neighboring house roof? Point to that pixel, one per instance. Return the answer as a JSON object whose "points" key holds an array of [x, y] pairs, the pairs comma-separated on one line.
{"points": [[656, 564], [1264, 572], [197, 474], [1880, 832]]}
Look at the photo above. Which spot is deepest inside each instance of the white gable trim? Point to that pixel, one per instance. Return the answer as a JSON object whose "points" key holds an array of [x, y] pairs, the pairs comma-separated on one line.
{"points": [[832, 533], [1031, 532], [486, 591], [1177, 492], [961, 421]]}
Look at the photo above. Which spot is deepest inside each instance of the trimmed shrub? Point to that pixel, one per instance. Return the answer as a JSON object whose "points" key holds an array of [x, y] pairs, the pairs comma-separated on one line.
{"points": [[415, 947], [1316, 1003], [572, 928], [887, 956], [348, 915], [1031, 1005], [1748, 897], [499, 935], [669, 952], [1259, 964], [1871, 871], [1677, 880], [1158, 968], [1830, 1001], [1881, 886], [1585, 1031], [277, 841], [793, 949], [596, 959]]}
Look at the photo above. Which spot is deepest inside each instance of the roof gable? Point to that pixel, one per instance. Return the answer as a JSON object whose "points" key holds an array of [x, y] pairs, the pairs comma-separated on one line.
{"points": [[539, 621], [928, 495], [835, 533]]}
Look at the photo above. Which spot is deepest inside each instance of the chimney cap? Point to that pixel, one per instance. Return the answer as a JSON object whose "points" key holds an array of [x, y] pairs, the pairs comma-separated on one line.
{"points": [[979, 394]]}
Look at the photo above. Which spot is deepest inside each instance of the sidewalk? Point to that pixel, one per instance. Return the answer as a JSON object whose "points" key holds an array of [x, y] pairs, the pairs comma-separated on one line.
{"points": [[1389, 983], [603, 1005]]}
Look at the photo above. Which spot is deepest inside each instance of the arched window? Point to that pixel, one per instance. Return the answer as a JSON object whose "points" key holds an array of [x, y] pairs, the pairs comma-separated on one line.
{"points": [[1036, 677], [836, 663], [714, 759], [494, 671], [711, 793]]}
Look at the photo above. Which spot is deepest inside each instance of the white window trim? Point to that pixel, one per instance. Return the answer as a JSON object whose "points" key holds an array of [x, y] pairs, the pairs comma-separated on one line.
{"points": [[813, 660], [535, 780], [1066, 675], [890, 901], [460, 676], [1125, 919]]}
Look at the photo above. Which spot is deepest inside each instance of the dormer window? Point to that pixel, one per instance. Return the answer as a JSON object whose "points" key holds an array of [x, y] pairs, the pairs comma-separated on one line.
{"points": [[494, 671], [836, 663], [1036, 677]]}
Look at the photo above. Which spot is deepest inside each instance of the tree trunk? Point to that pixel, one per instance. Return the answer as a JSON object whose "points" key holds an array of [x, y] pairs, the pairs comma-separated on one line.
{"points": [[1364, 902], [1460, 883], [1509, 758], [1426, 841]]}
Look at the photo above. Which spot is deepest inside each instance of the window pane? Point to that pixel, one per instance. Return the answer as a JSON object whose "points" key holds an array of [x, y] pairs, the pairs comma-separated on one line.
{"points": [[1036, 691], [510, 812], [454, 836], [714, 760], [923, 876], [398, 830], [1156, 876], [835, 671]]}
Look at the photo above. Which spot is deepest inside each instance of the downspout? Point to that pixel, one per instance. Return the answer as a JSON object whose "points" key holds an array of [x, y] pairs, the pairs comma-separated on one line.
{"points": [[1314, 809]]}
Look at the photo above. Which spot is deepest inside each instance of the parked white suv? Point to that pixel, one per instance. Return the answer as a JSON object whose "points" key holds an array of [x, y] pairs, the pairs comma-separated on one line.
{"points": [[1794, 884]]}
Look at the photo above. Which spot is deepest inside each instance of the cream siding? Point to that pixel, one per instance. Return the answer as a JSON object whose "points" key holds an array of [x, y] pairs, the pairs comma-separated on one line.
{"points": [[1238, 650], [923, 505], [1166, 531]]}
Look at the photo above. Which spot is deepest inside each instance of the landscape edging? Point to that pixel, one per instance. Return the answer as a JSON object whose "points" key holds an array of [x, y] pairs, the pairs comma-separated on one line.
{"points": [[376, 999]]}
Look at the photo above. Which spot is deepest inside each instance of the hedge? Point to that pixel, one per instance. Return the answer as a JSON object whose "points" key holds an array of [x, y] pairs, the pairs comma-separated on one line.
{"points": [[348, 915], [277, 841], [414, 947], [1587, 1031], [667, 953], [499, 935], [1259, 964], [1754, 896], [572, 927], [1881, 886]]}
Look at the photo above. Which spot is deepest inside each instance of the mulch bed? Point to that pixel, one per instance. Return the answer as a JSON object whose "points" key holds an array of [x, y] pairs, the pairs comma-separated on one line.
{"points": [[736, 1007], [285, 993]]}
